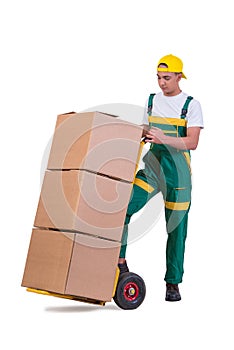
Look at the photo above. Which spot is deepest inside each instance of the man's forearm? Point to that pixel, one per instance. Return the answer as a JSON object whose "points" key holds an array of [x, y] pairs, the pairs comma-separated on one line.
{"points": [[181, 143], [190, 142]]}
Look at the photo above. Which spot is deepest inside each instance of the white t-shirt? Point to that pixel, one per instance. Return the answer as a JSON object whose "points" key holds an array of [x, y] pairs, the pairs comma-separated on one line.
{"points": [[171, 107]]}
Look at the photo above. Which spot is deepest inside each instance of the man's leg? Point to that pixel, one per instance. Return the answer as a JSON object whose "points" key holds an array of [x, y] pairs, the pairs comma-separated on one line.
{"points": [[177, 207], [142, 191], [124, 239], [176, 247]]}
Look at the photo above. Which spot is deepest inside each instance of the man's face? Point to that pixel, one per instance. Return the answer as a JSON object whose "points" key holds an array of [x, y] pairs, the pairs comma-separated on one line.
{"points": [[169, 83]]}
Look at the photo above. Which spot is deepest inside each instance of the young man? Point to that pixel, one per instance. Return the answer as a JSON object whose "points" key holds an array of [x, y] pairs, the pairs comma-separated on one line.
{"points": [[173, 122]]}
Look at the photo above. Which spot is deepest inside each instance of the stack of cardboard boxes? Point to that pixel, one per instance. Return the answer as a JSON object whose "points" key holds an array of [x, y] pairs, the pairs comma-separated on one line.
{"points": [[78, 226]]}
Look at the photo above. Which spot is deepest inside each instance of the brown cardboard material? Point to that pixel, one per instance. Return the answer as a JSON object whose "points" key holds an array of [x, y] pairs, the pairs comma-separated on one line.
{"points": [[81, 201], [97, 142], [72, 264], [48, 260], [93, 268]]}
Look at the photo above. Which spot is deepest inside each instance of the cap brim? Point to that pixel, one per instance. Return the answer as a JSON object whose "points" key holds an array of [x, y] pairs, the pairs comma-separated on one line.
{"points": [[184, 76]]}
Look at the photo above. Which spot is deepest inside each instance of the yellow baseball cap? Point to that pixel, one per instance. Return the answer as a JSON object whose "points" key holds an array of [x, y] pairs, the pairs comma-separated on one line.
{"points": [[172, 63]]}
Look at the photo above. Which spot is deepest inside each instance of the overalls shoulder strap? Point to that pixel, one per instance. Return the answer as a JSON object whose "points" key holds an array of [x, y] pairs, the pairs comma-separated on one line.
{"points": [[185, 107], [150, 104]]}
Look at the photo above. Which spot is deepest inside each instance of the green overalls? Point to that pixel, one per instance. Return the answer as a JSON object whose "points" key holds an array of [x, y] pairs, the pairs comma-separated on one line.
{"points": [[167, 170]]}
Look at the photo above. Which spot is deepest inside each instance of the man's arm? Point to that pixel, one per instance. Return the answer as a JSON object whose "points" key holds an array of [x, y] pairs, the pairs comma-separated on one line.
{"points": [[190, 142]]}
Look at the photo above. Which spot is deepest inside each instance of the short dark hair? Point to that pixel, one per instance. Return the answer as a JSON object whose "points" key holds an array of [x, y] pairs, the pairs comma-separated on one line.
{"points": [[164, 65]]}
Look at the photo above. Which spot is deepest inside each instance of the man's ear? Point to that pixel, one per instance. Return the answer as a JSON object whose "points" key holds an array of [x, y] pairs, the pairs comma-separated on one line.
{"points": [[179, 76]]}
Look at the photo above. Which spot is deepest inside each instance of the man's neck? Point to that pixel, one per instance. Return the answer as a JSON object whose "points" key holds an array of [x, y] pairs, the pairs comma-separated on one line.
{"points": [[174, 93]]}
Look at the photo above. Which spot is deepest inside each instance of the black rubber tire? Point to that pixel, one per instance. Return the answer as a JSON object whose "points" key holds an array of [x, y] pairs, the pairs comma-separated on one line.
{"points": [[130, 291]]}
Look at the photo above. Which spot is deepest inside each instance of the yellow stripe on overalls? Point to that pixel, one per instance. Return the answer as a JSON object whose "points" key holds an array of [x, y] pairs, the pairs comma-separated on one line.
{"points": [[177, 206], [187, 157], [144, 185], [168, 121]]}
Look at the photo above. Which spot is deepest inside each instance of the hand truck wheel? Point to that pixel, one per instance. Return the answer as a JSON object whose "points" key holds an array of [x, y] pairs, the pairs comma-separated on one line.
{"points": [[130, 291]]}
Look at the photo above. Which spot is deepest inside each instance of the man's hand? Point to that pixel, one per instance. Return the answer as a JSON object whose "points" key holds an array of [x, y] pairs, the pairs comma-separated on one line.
{"points": [[155, 135], [145, 130]]}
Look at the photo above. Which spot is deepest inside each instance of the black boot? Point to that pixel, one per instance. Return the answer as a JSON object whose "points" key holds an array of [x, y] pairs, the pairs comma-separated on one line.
{"points": [[172, 293], [123, 267]]}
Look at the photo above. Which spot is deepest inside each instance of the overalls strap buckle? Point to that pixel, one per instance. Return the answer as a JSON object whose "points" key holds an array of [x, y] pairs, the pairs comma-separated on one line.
{"points": [[185, 107], [184, 112]]}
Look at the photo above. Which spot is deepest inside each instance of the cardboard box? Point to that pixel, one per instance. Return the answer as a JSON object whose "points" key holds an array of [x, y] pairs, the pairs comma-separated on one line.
{"points": [[81, 201], [97, 142], [73, 264]]}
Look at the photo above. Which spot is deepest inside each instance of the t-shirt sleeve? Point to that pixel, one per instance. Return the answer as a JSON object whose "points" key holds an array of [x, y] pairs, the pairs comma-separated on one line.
{"points": [[195, 116], [145, 115]]}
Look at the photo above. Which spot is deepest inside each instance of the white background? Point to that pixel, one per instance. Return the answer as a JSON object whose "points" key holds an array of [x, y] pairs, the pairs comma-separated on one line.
{"points": [[60, 56]]}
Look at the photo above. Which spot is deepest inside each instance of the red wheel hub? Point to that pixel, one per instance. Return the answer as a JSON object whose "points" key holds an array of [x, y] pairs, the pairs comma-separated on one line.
{"points": [[131, 291]]}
